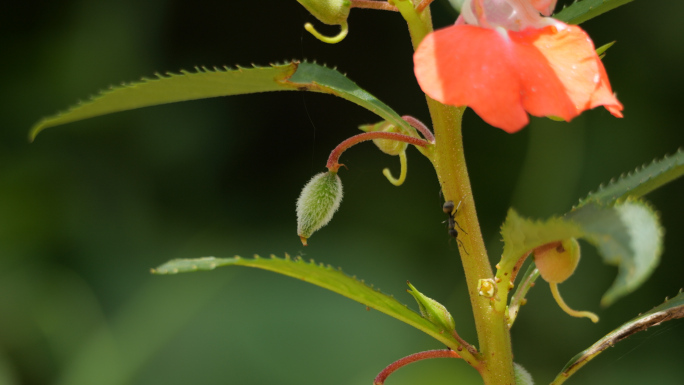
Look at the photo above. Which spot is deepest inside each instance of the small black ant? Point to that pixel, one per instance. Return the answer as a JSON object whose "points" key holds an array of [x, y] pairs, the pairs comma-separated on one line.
{"points": [[451, 211]]}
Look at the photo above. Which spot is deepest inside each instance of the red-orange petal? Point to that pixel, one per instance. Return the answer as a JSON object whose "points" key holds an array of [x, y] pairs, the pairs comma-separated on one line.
{"points": [[464, 65], [502, 74], [572, 56]]}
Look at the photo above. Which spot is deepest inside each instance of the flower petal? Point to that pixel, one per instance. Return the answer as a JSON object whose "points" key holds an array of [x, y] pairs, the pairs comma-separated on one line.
{"points": [[572, 56], [546, 7], [551, 71], [485, 70]]}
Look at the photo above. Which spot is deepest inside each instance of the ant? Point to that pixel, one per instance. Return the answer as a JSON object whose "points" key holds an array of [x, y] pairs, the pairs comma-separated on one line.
{"points": [[451, 211]]}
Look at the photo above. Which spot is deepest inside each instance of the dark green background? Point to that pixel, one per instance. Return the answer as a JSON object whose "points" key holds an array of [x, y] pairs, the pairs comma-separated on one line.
{"points": [[90, 207]]}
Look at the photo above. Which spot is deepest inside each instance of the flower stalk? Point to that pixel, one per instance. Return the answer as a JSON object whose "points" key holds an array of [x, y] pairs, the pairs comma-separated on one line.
{"points": [[442, 353], [333, 164], [373, 4]]}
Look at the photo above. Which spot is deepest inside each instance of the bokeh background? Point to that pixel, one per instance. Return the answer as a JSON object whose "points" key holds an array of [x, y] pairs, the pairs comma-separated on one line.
{"points": [[90, 207]]}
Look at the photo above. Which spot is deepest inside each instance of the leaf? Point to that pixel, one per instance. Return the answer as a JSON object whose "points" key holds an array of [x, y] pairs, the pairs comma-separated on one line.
{"points": [[671, 309], [317, 78], [584, 10], [627, 235], [641, 181], [328, 278], [206, 83]]}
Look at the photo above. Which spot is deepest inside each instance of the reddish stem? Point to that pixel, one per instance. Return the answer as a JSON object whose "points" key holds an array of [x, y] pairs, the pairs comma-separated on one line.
{"points": [[370, 4], [382, 376], [423, 4], [333, 165], [422, 128]]}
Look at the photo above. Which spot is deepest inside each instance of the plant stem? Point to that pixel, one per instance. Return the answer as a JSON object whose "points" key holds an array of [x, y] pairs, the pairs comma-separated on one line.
{"points": [[443, 353], [422, 128], [333, 165], [449, 162], [372, 4], [448, 158], [423, 4]]}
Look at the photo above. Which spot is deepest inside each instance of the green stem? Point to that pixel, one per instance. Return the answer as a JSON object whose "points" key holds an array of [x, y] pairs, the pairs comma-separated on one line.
{"points": [[448, 158]]}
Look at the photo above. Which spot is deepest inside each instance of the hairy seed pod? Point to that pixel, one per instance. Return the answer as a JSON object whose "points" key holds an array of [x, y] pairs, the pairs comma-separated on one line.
{"points": [[557, 261], [522, 376], [317, 203]]}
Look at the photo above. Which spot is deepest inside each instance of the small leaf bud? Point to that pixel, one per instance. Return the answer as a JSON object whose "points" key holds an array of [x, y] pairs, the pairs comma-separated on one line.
{"points": [[557, 261], [317, 203], [389, 147], [432, 310], [332, 12]]}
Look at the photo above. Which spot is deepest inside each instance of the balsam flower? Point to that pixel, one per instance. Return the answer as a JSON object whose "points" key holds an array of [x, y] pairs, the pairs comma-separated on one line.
{"points": [[504, 59]]}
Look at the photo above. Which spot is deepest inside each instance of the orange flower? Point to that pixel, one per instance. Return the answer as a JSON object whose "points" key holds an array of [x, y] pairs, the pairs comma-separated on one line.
{"points": [[503, 60]]}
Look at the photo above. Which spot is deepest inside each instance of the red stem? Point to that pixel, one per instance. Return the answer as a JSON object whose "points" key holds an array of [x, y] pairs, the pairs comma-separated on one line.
{"points": [[382, 376], [420, 7], [370, 4], [333, 165], [418, 125]]}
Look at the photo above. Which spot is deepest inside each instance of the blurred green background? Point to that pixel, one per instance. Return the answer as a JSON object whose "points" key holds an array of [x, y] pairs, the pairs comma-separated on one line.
{"points": [[90, 207]]}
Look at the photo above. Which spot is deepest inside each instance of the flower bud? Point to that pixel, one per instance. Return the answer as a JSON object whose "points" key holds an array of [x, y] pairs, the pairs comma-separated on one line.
{"points": [[317, 203], [557, 261], [432, 310], [389, 147], [332, 12]]}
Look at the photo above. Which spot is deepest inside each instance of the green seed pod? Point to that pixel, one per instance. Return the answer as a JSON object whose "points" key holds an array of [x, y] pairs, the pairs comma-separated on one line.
{"points": [[317, 203], [557, 261], [389, 147], [333, 12], [434, 311], [522, 376]]}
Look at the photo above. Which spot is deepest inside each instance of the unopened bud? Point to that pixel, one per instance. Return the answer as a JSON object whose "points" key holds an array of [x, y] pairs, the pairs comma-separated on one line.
{"points": [[317, 203], [332, 12], [432, 310], [557, 261], [388, 146]]}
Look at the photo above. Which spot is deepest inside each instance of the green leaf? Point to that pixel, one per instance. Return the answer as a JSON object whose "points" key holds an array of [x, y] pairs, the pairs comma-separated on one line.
{"points": [[206, 83], [671, 309], [626, 234], [641, 181], [316, 78], [584, 10], [328, 278]]}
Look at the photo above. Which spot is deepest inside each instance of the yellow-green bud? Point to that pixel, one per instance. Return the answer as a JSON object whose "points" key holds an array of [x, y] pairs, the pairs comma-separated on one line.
{"points": [[317, 203], [389, 147], [333, 12], [557, 261], [434, 311]]}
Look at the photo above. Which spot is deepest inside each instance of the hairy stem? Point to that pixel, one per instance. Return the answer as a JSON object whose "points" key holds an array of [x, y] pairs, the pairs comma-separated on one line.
{"points": [[443, 353], [372, 4], [423, 4], [448, 158], [333, 164], [422, 128]]}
